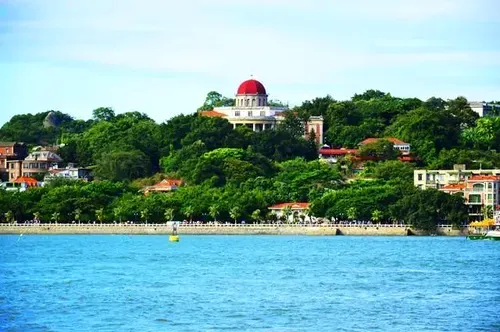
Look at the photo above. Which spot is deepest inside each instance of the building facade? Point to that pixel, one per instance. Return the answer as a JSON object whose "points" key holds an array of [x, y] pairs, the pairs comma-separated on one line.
{"points": [[36, 164], [71, 172], [485, 109], [251, 109], [296, 211], [479, 188], [10, 151]]}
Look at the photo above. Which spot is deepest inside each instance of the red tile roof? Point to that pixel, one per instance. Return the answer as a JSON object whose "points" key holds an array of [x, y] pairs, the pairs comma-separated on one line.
{"points": [[374, 139], [337, 152], [484, 178], [212, 114], [454, 186], [168, 183], [27, 180], [295, 205]]}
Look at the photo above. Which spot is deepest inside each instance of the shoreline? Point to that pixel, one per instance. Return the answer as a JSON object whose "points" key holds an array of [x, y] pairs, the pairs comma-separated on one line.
{"points": [[222, 229]]}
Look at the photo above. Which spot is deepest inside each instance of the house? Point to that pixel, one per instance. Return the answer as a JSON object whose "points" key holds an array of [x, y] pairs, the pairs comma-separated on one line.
{"points": [[36, 164], [398, 144], [166, 185], [335, 155], [439, 178], [22, 183], [297, 211], [10, 151], [70, 172], [252, 109]]}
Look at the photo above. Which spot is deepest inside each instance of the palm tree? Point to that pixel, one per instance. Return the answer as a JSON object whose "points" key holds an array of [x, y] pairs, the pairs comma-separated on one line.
{"points": [[99, 214], [118, 212], [169, 214], [256, 215], [352, 213], [377, 215], [145, 215], [308, 213], [55, 216], [287, 211], [487, 212], [9, 216], [235, 213], [213, 211], [36, 216], [78, 215], [188, 212]]}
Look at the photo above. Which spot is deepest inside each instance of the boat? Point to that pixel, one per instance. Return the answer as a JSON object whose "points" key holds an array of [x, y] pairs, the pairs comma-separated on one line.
{"points": [[486, 229], [173, 238]]}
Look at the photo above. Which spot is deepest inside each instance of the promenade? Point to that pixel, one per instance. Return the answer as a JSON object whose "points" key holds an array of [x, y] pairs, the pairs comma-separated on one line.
{"points": [[228, 229]]}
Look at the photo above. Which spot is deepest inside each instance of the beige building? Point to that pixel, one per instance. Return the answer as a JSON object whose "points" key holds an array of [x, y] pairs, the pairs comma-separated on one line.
{"points": [[251, 109], [36, 163], [437, 179]]}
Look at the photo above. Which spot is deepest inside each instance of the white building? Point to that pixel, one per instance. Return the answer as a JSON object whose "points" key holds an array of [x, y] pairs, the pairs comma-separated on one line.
{"points": [[485, 109], [297, 211], [251, 109], [438, 178]]}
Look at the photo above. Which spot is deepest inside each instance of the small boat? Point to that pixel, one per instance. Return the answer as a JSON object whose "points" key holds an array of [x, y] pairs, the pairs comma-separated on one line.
{"points": [[493, 235], [173, 238], [484, 230]]}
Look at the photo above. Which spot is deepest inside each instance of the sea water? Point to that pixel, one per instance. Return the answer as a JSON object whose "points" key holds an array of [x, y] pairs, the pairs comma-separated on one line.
{"points": [[248, 283]]}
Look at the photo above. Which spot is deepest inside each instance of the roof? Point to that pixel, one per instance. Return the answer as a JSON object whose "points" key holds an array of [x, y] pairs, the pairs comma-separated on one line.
{"points": [[374, 139], [337, 152], [168, 183], [484, 178], [212, 114], [251, 87], [294, 205], [24, 179], [454, 186], [43, 156]]}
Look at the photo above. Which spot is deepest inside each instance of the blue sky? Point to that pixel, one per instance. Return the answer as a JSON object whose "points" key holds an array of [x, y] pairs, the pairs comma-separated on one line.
{"points": [[161, 57]]}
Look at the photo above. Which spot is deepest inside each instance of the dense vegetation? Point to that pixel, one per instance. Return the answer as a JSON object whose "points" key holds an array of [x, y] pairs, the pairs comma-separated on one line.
{"points": [[236, 173]]}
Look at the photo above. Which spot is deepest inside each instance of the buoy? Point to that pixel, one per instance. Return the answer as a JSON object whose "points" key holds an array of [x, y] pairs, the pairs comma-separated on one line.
{"points": [[173, 238]]}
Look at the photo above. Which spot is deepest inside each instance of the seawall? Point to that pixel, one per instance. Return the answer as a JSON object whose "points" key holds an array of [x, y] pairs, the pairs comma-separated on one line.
{"points": [[222, 229]]}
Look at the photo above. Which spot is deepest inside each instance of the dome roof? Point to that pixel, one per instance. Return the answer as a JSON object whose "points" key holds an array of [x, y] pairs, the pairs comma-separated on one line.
{"points": [[251, 87]]}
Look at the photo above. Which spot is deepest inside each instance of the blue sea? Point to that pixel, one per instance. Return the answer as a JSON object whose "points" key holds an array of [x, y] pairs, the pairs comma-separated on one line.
{"points": [[248, 283]]}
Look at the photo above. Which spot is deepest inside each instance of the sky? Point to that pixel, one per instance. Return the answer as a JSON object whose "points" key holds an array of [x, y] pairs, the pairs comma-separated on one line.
{"points": [[162, 57]]}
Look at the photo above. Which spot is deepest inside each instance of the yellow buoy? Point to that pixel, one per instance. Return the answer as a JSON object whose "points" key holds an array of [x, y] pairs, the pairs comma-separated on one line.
{"points": [[173, 238]]}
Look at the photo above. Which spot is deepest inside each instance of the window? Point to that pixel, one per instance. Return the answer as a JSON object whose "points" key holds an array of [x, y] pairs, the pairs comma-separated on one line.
{"points": [[478, 187], [420, 177], [246, 102], [250, 113], [253, 102], [236, 113], [262, 113], [474, 198]]}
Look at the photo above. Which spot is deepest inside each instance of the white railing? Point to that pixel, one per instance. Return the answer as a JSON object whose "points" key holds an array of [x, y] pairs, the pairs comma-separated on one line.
{"points": [[217, 225]]}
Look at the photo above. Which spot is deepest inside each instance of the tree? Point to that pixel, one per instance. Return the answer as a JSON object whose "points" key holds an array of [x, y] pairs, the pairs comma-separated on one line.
{"points": [[256, 215], [99, 213], [36, 216], [123, 165], [103, 114], [188, 212], [215, 99], [377, 216], [145, 215], [287, 211], [118, 212], [352, 213], [55, 217], [9, 217], [235, 213], [169, 214], [487, 211], [78, 214], [213, 211], [381, 149], [292, 124]]}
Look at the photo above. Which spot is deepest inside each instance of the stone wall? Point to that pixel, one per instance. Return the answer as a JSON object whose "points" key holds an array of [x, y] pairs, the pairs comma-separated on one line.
{"points": [[329, 230]]}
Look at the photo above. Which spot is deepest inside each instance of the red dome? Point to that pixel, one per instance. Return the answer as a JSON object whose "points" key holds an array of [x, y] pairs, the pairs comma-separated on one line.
{"points": [[251, 87]]}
